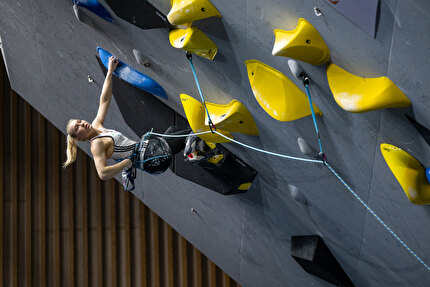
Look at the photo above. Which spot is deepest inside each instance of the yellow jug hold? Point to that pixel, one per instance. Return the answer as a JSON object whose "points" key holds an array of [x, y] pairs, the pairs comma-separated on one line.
{"points": [[304, 43], [409, 173], [277, 94], [357, 95], [188, 11], [193, 40]]}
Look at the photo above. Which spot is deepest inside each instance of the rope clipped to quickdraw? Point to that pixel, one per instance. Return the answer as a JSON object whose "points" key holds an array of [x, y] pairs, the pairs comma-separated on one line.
{"points": [[323, 158], [323, 161], [306, 84], [247, 146], [147, 135], [211, 124]]}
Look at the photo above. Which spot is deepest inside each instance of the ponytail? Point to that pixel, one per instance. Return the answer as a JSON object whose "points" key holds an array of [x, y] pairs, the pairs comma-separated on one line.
{"points": [[71, 151]]}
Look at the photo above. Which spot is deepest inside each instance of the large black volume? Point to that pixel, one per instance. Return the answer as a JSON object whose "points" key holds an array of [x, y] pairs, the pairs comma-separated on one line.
{"points": [[314, 256], [140, 13]]}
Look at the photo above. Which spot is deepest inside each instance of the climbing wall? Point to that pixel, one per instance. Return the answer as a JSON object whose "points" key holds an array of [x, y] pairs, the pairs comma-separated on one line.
{"points": [[50, 55]]}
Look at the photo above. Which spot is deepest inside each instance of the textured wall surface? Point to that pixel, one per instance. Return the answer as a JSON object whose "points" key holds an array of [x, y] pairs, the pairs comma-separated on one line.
{"points": [[49, 55], [68, 228]]}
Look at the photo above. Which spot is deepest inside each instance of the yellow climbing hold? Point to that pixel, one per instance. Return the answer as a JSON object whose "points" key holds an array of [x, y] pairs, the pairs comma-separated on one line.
{"points": [[193, 40], [233, 117], [304, 43], [356, 94], [215, 159], [408, 172], [277, 94], [245, 186], [195, 113], [187, 11]]}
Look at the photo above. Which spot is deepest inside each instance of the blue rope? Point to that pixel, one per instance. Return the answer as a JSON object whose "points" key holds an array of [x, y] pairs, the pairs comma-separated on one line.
{"points": [[353, 193], [179, 136], [247, 146], [303, 159], [332, 170], [154, 157], [269, 152], [378, 218], [211, 125], [313, 117]]}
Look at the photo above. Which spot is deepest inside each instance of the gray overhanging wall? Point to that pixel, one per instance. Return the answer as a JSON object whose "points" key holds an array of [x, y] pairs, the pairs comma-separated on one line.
{"points": [[69, 228], [49, 55]]}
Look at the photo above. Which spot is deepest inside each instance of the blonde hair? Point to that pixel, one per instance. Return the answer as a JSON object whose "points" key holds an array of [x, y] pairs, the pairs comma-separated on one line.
{"points": [[72, 147]]}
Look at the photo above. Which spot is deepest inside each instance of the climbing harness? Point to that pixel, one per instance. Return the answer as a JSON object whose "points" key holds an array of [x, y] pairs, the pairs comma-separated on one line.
{"points": [[211, 125], [137, 157]]}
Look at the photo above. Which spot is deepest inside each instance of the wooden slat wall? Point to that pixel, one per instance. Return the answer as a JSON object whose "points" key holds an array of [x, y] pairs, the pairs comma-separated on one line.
{"points": [[69, 228]]}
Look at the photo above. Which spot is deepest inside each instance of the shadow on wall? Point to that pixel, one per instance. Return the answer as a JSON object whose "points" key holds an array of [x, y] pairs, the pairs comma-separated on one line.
{"points": [[427, 210], [288, 209], [142, 111], [134, 105], [225, 64]]}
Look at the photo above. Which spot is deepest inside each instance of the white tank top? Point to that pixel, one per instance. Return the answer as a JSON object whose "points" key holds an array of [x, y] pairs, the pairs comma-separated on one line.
{"points": [[123, 146]]}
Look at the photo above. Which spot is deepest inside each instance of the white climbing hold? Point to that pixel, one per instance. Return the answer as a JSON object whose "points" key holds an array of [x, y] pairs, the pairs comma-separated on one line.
{"points": [[296, 194], [81, 16], [296, 69], [305, 148], [140, 58]]}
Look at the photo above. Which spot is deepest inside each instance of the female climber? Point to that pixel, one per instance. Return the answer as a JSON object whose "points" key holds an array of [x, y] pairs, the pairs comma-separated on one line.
{"points": [[153, 155]]}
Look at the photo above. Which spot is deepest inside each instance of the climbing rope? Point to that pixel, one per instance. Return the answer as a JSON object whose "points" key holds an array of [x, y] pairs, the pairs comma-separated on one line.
{"points": [[378, 218], [269, 152], [323, 160], [175, 136], [314, 161], [248, 146], [313, 116], [211, 125]]}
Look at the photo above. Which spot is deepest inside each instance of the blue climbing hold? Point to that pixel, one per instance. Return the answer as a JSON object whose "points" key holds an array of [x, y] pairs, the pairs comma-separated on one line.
{"points": [[95, 7], [428, 174], [130, 75]]}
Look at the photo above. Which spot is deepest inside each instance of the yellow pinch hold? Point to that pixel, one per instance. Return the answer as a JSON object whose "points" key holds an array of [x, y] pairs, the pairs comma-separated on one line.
{"points": [[193, 40], [195, 113], [357, 95], [187, 11], [245, 186], [277, 94], [408, 172], [233, 117], [215, 159], [304, 43]]}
